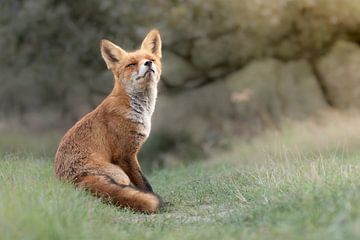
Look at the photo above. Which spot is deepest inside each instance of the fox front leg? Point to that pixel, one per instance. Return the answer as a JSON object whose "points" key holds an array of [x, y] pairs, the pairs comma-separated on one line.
{"points": [[133, 170]]}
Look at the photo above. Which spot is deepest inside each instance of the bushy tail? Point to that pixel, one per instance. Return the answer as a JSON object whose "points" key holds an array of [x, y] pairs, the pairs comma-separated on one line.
{"points": [[105, 187]]}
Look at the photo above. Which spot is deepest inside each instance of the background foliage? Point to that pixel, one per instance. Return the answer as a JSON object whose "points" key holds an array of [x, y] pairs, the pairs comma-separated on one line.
{"points": [[230, 67]]}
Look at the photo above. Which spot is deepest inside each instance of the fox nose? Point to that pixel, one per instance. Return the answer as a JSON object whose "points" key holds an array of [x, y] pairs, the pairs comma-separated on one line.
{"points": [[148, 63]]}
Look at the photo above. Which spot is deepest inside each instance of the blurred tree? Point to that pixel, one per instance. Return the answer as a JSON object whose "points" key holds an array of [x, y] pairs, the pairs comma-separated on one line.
{"points": [[50, 48]]}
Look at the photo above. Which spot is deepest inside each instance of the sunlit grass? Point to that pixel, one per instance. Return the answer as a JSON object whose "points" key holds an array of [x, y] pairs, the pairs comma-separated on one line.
{"points": [[313, 199], [299, 185]]}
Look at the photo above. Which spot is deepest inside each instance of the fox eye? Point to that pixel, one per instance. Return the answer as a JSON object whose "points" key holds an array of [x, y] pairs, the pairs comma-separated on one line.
{"points": [[130, 65]]}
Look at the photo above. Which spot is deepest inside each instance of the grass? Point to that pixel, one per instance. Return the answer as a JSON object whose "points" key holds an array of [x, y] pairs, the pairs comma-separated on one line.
{"points": [[299, 186]]}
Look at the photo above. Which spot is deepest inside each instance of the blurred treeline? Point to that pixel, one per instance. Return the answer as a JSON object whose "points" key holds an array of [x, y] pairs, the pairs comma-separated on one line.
{"points": [[229, 66]]}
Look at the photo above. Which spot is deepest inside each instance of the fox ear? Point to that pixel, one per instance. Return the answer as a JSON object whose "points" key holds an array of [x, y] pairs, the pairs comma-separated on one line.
{"points": [[152, 43], [111, 53]]}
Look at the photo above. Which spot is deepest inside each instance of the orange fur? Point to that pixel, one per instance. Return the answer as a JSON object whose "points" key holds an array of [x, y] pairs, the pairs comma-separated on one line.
{"points": [[99, 152]]}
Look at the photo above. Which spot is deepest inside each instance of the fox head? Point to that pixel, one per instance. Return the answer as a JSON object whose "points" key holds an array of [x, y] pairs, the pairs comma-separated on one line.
{"points": [[135, 71]]}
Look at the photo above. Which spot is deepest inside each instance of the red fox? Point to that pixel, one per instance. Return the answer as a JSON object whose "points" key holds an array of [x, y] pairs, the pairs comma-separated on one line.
{"points": [[99, 153]]}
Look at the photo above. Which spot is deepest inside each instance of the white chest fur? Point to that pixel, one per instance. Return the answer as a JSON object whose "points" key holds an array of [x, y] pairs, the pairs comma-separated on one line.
{"points": [[142, 106]]}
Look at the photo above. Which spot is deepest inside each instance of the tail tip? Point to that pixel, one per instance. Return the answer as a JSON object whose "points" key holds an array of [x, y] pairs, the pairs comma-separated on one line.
{"points": [[155, 203]]}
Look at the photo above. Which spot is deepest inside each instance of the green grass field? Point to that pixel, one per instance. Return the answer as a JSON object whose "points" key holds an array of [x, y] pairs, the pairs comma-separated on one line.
{"points": [[302, 183]]}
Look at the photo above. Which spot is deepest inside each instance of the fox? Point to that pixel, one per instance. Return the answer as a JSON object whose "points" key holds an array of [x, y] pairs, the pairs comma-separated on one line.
{"points": [[99, 153]]}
